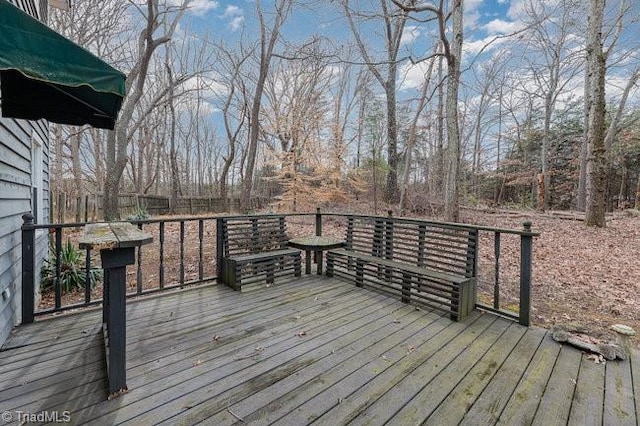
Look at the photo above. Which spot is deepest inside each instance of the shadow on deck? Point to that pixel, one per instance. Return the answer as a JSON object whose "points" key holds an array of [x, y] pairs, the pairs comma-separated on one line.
{"points": [[311, 350]]}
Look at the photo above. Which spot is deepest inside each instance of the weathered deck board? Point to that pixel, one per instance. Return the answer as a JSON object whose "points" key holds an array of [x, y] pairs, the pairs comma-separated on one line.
{"points": [[524, 401], [466, 391], [555, 403], [588, 398], [635, 370], [311, 350], [420, 392], [619, 407], [495, 396]]}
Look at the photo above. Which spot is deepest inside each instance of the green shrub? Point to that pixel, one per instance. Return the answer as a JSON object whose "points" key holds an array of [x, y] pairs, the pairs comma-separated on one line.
{"points": [[72, 273]]}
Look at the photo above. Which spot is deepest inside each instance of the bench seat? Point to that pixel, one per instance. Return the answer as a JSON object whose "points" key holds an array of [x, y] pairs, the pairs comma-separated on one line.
{"points": [[250, 268], [252, 250], [429, 265]]}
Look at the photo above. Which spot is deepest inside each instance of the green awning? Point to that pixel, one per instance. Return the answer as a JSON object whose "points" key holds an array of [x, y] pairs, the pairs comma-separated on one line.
{"points": [[45, 75]]}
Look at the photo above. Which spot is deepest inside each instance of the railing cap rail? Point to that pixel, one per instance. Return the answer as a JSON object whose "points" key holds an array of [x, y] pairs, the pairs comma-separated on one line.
{"points": [[526, 231]]}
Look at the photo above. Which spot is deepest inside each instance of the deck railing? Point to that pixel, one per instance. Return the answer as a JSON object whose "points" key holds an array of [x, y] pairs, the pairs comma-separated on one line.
{"points": [[184, 253], [512, 301], [166, 254]]}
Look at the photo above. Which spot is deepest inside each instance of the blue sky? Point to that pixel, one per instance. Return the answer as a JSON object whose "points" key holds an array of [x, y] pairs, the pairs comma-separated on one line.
{"points": [[485, 22], [228, 19]]}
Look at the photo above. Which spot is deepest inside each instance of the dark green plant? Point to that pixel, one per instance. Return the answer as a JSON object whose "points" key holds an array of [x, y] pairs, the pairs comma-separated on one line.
{"points": [[72, 272]]}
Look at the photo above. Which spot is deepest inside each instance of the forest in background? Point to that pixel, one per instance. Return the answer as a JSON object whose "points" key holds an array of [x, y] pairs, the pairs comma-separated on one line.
{"points": [[540, 112]]}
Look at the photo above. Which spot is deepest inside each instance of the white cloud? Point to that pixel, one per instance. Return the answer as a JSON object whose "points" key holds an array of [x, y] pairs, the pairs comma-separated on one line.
{"points": [[472, 13], [236, 16], [412, 76], [236, 23], [486, 44], [209, 84], [518, 8], [198, 7], [499, 26], [615, 85], [409, 34], [232, 10]]}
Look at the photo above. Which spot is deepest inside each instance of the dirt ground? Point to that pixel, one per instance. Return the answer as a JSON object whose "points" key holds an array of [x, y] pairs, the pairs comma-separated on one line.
{"points": [[584, 279]]}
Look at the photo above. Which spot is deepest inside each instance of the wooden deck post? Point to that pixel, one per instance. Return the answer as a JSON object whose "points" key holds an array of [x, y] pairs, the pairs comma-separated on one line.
{"points": [[318, 222], [526, 248], [219, 248], [114, 317], [28, 267], [117, 243], [388, 245], [496, 271]]}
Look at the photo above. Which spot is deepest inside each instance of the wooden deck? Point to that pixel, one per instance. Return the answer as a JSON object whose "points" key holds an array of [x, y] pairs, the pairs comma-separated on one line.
{"points": [[312, 350]]}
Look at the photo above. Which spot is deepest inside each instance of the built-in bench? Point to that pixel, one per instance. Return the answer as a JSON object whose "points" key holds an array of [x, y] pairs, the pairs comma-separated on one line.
{"points": [[428, 263], [253, 249]]}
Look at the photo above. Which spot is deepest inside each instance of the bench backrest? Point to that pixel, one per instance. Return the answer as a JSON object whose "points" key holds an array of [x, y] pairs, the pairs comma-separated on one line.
{"points": [[249, 235], [438, 246]]}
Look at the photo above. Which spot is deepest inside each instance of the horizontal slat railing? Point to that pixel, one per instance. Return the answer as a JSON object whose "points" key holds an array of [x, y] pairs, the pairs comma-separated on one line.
{"points": [[184, 253], [504, 280]]}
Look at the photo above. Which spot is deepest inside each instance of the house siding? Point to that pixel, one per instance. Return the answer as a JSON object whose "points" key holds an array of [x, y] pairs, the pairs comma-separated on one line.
{"points": [[16, 140]]}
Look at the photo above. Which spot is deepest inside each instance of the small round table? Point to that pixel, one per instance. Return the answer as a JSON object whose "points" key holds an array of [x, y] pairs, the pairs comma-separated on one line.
{"points": [[316, 245]]}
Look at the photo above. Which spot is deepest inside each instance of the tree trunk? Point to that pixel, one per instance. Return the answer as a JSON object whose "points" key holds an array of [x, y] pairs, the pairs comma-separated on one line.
{"points": [[412, 137], [77, 171], [173, 156], [597, 159], [581, 201], [391, 194], [116, 162], [56, 178], [637, 204], [451, 193], [267, 44], [440, 157], [622, 199], [361, 115], [543, 186], [117, 140], [499, 180]]}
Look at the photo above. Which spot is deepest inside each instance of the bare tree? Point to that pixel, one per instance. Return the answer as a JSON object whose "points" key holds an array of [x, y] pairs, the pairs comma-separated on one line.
{"points": [[600, 138], [449, 17], [413, 133], [118, 139], [234, 106], [553, 64], [596, 161], [98, 26], [385, 72], [487, 85], [268, 39]]}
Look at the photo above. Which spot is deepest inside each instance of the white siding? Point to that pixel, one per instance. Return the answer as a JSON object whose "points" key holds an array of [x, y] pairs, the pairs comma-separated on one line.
{"points": [[16, 199]]}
